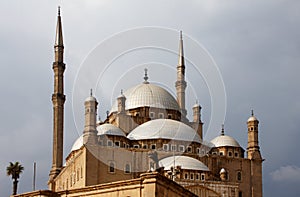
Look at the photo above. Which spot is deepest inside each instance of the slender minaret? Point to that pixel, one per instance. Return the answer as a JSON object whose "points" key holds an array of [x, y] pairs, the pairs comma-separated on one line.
{"points": [[121, 103], [254, 155], [58, 100], [90, 132], [253, 146], [181, 83], [197, 123]]}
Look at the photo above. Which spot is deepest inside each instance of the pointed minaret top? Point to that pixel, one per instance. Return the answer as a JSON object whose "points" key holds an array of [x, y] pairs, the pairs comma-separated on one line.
{"points": [[181, 55], [59, 36], [146, 76], [58, 10], [222, 131]]}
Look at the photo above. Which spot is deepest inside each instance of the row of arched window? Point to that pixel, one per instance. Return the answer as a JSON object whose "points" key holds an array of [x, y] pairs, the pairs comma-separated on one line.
{"points": [[74, 177], [112, 167]]}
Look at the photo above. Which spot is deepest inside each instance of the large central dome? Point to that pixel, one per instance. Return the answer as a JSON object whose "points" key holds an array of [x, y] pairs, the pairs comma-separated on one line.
{"points": [[148, 95]]}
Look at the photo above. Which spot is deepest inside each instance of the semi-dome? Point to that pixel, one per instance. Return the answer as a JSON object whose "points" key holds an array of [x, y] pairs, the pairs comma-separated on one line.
{"points": [[109, 129], [78, 143], [225, 140], [147, 95], [164, 129], [184, 162]]}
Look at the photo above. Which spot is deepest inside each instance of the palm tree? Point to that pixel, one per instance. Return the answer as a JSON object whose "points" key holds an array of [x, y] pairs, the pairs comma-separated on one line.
{"points": [[14, 169]]}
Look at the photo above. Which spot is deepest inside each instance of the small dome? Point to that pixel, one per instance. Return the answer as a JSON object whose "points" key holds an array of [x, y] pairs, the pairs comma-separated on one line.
{"points": [[222, 171], [121, 96], [147, 95], [78, 143], [164, 129], [252, 118], [196, 105], [225, 140], [109, 129], [184, 162], [90, 98]]}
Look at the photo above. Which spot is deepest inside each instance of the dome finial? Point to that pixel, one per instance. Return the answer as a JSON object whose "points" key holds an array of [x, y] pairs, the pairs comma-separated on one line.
{"points": [[252, 113], [121, 91], [146, 76], [91, 92], [58, 10], [222, 132]]}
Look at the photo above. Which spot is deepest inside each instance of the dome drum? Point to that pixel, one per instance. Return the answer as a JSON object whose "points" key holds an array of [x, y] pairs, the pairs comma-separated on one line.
{"points": [[154, 113], [169, 146]]}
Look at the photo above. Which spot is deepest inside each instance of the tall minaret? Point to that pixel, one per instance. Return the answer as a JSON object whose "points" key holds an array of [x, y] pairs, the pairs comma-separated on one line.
{"points": [[181, 83], [58, 100]]}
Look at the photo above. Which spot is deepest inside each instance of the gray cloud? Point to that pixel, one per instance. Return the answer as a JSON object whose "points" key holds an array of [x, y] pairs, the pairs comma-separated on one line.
{"points": [[286, 173]]}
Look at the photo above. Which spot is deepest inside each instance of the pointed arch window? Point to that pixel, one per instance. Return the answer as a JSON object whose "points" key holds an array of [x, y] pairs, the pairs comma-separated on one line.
{"points": [[111, 167], [127, 169], [239, 176]]}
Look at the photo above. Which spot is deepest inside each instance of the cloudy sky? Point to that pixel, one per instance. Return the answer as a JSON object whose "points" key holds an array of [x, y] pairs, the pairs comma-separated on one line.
{"points": [[255, 45]]}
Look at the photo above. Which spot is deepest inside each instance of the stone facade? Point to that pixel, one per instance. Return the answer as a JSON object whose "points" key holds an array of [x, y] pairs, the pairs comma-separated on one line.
{"points": [[148, 185]]}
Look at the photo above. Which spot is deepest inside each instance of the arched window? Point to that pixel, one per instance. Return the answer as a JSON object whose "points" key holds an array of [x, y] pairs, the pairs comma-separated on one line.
{"points": [[189, 149], [145, 146], [153, 146], [111, 167], [239, 176], [240, 194], [152, 114], [236, 154], [109, 143], [166, 147], [127, 169]]}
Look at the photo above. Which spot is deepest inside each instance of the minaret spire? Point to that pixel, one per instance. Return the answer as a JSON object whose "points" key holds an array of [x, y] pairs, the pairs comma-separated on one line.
{"points": [[58, 11], [181, 83], [181, 55], [59, 35], [58, 100]]}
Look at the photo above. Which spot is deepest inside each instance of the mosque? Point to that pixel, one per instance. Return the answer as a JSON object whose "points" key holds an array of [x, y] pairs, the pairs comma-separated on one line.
{"points": [[146, 146]]}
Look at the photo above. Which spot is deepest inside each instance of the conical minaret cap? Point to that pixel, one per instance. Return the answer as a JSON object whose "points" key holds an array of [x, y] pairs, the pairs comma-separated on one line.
{"points": [[181, 55], [59, 35]]}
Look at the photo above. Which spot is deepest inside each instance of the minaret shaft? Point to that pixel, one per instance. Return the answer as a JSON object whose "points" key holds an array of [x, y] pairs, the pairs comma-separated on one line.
{"points": [[58, 100], [90, 132]]}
